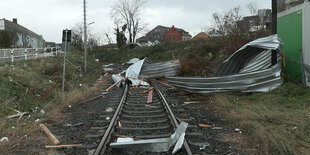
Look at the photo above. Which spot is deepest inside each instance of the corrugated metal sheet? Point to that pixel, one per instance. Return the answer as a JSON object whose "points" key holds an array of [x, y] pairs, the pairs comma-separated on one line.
{"points": [[161, 69], [146, 69], [248, 70]]}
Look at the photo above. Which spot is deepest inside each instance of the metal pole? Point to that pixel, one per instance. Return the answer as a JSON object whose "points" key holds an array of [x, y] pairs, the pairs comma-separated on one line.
{"points": [[274, 54], [64, 69], [274, 16], [85, 38]]}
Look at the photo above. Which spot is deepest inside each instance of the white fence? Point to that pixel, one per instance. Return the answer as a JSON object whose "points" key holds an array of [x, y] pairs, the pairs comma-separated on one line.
{"points": [[18, 54]]}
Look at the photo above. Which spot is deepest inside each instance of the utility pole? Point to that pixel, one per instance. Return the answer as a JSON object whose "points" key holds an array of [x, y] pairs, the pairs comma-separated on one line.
{"points": [[85, 38], [64, 65]]}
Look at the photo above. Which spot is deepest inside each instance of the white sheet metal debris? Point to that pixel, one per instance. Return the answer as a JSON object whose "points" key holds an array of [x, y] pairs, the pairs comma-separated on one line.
{"points": [[145, 69], [154, 145], [133, 60], [4, 139], [249, 70]]}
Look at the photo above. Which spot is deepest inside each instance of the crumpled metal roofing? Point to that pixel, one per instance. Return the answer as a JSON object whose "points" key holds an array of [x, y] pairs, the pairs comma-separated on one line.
{"points": [[146, 69], [248, 69], [161, 69]]}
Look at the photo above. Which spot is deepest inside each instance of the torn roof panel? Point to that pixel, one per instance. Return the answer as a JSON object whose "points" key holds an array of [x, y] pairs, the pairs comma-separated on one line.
{"points": [[248, 69], [236, 61], [161, 69]]}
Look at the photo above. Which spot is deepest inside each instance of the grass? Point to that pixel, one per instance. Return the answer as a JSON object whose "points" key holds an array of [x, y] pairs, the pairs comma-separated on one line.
{"points": [[31, 80], [276, 122]]}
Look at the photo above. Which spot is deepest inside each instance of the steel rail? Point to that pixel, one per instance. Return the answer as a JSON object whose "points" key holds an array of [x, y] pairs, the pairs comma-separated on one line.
{"points": [[107, 135], [174, 120]]}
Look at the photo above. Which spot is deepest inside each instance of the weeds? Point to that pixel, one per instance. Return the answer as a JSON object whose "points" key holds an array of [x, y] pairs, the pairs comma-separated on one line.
{"points": [[31, 81], [277, 122]]}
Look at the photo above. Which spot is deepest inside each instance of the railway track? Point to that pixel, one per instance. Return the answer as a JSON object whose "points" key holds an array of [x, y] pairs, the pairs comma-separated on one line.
{"points": [[136, 118]]}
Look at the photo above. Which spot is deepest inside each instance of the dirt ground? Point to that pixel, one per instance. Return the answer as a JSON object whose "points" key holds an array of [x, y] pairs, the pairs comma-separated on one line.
{"points": [[76, 121]]}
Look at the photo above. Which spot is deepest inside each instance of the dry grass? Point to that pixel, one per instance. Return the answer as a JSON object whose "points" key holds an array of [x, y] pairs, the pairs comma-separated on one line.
{"points": [[277, 122], [29, 81]]}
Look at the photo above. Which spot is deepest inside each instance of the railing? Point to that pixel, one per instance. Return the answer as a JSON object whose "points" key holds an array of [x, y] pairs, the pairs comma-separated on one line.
{"points": [[18, 54]]}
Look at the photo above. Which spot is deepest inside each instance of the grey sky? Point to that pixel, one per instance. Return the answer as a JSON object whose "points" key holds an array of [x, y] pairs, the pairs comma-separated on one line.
{"points": [[50, 17]]}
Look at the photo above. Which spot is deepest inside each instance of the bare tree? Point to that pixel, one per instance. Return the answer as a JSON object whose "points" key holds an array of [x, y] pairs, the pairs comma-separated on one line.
{"points": [[227, 23], [253, 8], [77, 37], [129, 12]]}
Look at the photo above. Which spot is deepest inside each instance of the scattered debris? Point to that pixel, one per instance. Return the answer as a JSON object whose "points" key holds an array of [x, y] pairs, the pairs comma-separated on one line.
{"points": [[96, 60], [154, 145], [91, 99], [19, 114], [37, 120], [48, 92], [4, 139], [237, 130], [150, 96], [63, 146], [105, 66], [50, 134], [150, 106], [217, 128], [109, 109], [10, 100], [205, 125], [78, 124], [231, 111], [146, 91], [42, 112], [192, 102], [108, 69], [114, 85]]}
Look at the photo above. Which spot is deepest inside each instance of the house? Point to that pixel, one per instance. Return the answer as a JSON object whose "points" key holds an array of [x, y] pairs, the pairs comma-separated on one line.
{"points": [[26, 37], [287, 4], [201, 35], [294, 30], [173, 35], [260, 21], [157, 34]]}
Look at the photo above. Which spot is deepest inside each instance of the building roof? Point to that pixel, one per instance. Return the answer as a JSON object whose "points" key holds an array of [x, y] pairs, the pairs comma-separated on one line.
{"points": [[201, 35], [21, 27]]}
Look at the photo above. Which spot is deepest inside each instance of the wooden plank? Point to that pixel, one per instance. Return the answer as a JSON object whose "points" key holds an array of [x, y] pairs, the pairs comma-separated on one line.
{"points": [[62, 146], [48, 92], [10, 100], [114, 85], [139, 83], [18, 115], [91, 99], [146, 91], [150, 96], [50, 135], [205, 125]]}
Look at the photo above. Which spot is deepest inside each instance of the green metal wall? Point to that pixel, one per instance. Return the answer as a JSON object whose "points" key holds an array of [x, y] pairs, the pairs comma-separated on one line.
{"points": [[290, 31]]}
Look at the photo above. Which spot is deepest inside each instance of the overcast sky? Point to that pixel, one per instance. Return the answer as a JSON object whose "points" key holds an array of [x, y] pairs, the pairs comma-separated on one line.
{"points": [[50, 17]]}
